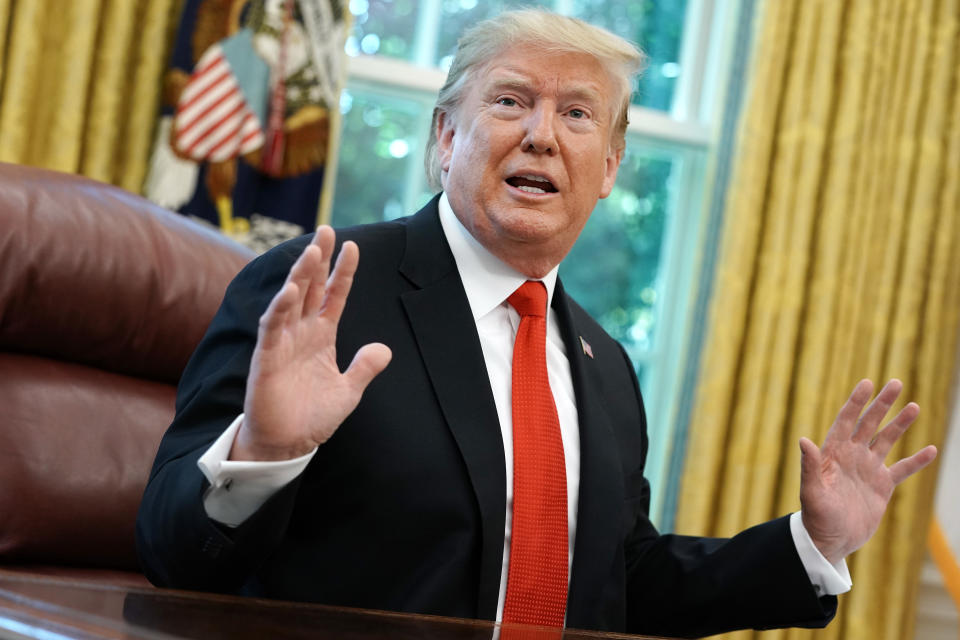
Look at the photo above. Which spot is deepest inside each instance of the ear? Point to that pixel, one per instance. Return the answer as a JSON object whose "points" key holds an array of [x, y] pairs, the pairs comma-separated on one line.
{"points": [[445, 132], [611, 166]]}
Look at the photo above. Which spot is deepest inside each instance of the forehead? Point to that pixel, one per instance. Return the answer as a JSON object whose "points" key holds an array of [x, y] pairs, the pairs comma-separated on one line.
{"points": [[560, 74]]}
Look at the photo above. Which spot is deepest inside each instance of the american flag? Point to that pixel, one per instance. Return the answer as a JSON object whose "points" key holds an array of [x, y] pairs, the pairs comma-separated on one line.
{"points": [[213, 121]]}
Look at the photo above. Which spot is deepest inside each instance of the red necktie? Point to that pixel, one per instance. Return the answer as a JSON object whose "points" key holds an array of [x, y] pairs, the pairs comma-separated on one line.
{"points": [[537, 580]]}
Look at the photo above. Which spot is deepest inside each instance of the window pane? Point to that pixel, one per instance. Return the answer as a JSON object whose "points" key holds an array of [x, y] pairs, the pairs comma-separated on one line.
{"points": [[614, 267], [457, 15], [384, 27], [380, 147], [426, 32], [657, 26]]}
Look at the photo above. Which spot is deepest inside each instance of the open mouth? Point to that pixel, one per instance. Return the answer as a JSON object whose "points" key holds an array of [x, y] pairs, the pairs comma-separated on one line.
{"points": [[531, 184]]}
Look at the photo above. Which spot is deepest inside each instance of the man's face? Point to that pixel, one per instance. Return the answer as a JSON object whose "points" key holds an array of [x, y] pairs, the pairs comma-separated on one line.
{"points": [[528, 153]]}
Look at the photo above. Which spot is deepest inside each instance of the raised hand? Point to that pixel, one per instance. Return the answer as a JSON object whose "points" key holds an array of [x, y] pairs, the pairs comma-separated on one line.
{"points": [[845, 486], [296, 396]]}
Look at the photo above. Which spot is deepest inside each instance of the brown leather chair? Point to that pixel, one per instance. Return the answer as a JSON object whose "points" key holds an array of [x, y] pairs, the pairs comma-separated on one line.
{"points": [[103, 297]]}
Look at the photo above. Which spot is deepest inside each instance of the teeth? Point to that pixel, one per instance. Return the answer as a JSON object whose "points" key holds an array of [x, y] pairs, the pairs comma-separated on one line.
{"points": [[535, 178], [531, 189]]}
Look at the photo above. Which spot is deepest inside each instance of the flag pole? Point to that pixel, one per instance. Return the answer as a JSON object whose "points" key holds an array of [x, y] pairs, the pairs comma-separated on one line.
{"points": [[325, 208]]}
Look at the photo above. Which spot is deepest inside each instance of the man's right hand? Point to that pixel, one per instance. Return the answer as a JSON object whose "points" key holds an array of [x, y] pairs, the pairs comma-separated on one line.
{"points": [[296, 395]]}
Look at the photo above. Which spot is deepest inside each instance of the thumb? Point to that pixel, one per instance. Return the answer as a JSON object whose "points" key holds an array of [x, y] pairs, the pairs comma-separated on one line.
{"points": [[370, 360], [809, 465]]}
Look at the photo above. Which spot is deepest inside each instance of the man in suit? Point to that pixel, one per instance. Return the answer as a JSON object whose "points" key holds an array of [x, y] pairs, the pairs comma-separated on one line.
{"points": [[301, 466]]}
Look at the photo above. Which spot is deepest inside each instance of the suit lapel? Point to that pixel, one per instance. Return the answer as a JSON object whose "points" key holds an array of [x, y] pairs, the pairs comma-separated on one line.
{"points": [[601, 479], [446, 335]]}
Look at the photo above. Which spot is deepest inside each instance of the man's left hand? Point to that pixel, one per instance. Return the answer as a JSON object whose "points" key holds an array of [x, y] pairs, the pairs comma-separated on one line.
{"points": [[845, 486]]}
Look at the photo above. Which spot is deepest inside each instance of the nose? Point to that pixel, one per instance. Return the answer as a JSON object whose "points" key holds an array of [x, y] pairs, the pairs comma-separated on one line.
{"points": [[540, 135]]}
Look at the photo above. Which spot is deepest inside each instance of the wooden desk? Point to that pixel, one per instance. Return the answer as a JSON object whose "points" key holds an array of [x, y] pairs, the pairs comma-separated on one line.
{"points": [[49, 608]]}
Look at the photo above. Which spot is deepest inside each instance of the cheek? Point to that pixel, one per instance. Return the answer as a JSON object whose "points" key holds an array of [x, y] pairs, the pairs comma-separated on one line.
{"points": [[606, 173], [460, 153], [486, 144], [587, 179], [476, 150]]}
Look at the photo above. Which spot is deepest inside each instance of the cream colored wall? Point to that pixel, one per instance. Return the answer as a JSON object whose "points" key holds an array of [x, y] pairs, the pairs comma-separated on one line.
{"points": [[937, 617]]}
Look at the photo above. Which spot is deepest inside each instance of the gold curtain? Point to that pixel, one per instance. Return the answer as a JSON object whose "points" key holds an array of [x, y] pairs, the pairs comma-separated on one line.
{"points": [[80, 84], [839, 261]]}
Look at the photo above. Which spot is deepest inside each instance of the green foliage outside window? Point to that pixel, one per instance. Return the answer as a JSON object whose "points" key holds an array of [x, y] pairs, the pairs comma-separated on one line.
{"points": [[426, 32], [612, 270]]}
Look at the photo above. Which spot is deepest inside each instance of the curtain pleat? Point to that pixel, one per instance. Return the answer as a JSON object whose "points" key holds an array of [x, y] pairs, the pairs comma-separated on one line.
{"points": [[838, 262], [107, 105], [4, 38], [159, 19], [80, 84], [20, 77]]}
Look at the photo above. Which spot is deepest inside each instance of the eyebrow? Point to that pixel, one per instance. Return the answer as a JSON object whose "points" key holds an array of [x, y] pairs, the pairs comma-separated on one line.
{"points": [[587, 93]]}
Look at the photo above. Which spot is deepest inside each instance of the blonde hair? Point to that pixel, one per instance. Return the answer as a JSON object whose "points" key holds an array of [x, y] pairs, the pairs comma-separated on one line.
{"points": [[548, 32]]}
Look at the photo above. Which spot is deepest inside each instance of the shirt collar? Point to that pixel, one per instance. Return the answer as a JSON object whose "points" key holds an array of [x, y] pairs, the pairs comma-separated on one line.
{"points": [[487, 280]]}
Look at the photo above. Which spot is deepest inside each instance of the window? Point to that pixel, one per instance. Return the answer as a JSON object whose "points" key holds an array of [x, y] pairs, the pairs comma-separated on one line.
{"points": [[633, 266], [425, 33]]}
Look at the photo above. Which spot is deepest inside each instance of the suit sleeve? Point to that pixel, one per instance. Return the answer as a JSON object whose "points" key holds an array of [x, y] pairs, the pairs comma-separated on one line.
{"points": [[178, 545], [694, 586]]}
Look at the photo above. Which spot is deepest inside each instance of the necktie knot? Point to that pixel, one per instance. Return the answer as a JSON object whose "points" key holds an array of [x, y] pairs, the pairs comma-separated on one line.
{"points": [[530, 299]]}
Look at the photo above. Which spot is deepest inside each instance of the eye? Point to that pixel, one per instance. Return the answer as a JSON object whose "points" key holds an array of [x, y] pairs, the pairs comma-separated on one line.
{"points": [[507, 102], [578, 114]]}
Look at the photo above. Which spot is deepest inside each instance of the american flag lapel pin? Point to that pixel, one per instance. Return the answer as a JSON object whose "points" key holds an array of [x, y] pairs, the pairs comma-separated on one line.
{"points": [[586, 347]]}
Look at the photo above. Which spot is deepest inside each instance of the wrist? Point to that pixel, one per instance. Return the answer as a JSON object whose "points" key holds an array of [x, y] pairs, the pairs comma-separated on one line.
{"points": [[250, 446], [832, 550]]}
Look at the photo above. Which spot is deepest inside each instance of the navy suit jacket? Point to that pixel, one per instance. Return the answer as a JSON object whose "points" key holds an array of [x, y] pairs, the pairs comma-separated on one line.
{"points": [[403, 508]]}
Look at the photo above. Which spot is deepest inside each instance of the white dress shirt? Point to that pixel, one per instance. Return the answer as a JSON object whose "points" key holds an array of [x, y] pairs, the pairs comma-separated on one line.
{"points": [[238, 489]]}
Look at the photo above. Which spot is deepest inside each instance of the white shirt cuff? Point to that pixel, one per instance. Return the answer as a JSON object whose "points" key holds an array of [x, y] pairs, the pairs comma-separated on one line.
{"points": [[827, 579], [238, 488]]}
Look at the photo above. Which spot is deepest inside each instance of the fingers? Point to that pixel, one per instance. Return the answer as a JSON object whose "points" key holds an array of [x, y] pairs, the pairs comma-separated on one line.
{"points": [[809, 465], [307, 290], [846, 420], [338, 286], [876, 412], [885, 440], [905, 468], [281, 310], [324, 240], [323, 292], [308, 271], [369, 361]]}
